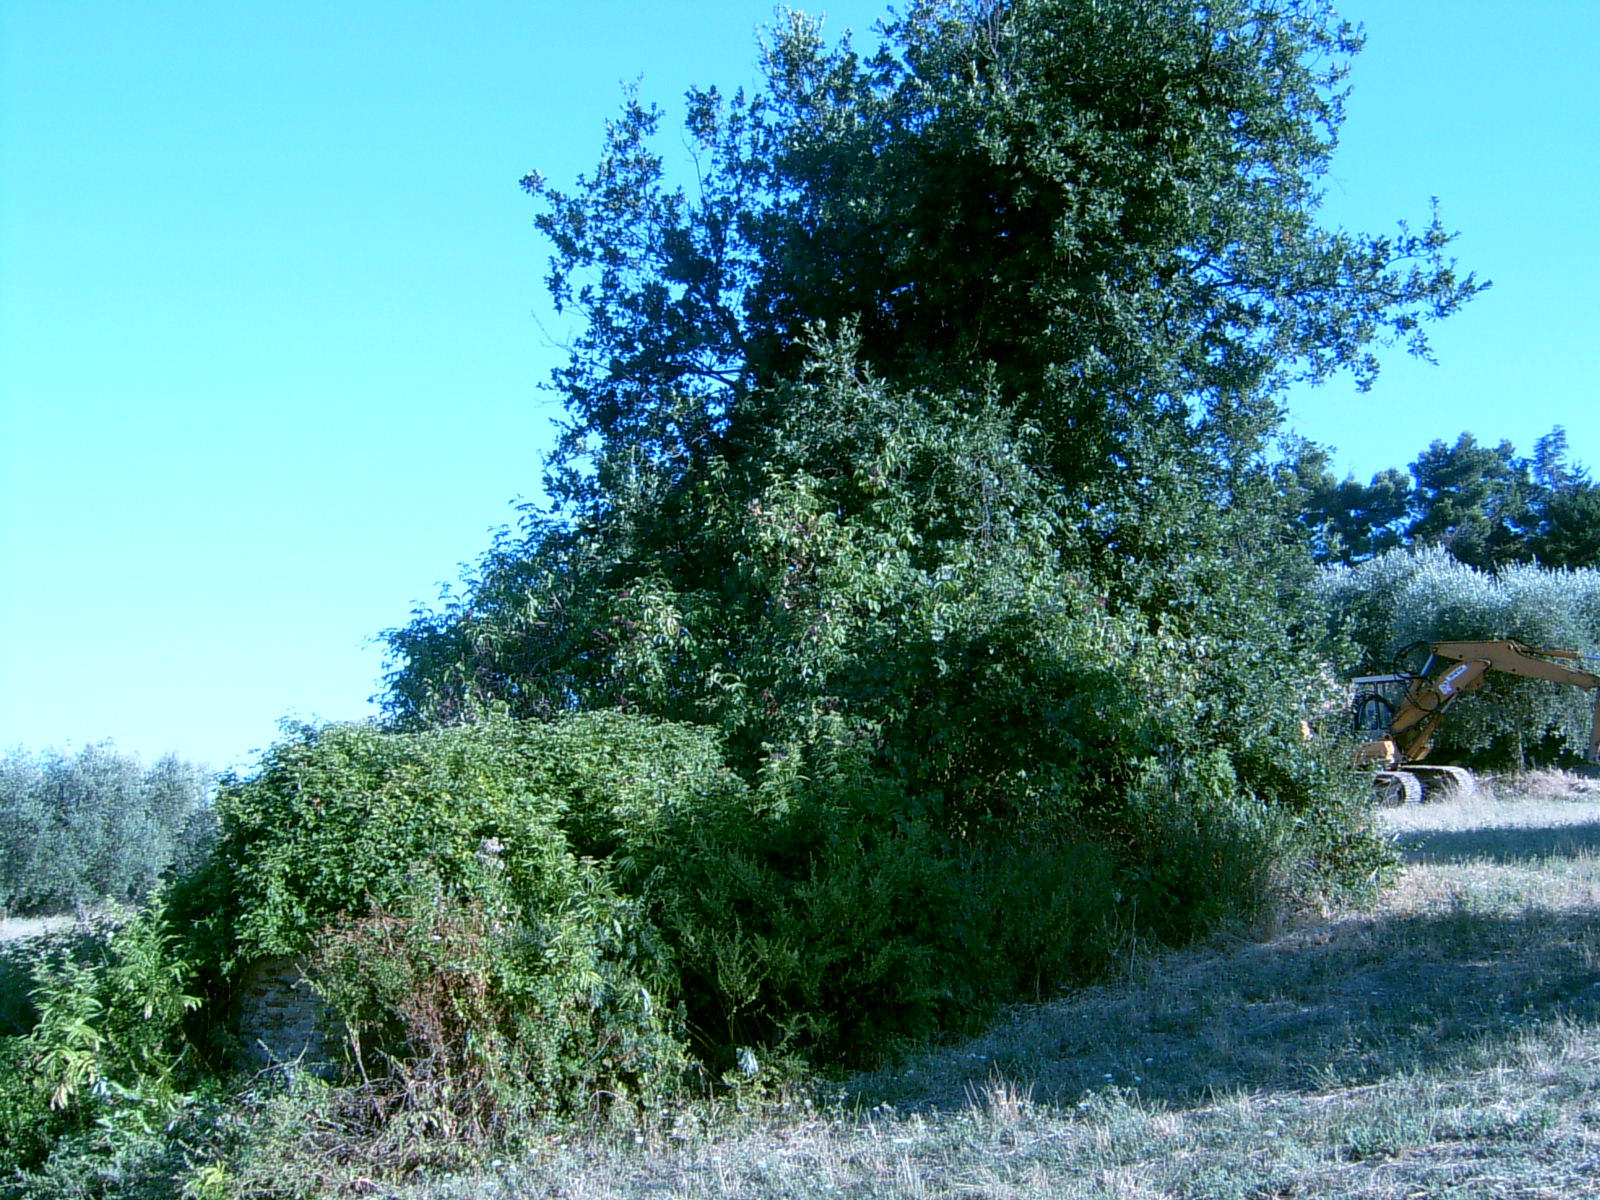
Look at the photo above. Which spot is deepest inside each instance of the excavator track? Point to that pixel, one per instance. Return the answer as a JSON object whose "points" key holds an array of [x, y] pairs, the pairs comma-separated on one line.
{"points": [[1397, 787], [1442, 782]]}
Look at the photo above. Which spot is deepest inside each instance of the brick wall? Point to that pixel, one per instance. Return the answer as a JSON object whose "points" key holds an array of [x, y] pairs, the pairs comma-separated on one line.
{"points": [[279, 1018]]}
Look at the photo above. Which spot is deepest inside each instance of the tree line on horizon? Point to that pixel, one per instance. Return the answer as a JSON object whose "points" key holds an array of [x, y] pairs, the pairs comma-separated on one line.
{"points": [[1488, 506]]}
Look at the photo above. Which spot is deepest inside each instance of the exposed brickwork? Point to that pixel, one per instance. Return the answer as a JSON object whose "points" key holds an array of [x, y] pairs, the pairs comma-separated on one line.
{"points": [[280, 1019]]}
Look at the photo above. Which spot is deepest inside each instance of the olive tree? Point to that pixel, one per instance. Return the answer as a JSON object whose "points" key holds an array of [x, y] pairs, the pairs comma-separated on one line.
{"points": [[95, 825], [1405, 599]]}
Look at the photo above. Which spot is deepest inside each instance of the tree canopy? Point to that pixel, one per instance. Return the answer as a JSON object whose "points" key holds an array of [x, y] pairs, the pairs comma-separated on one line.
{"points": [[1084, 235], [925, 448], [1486, 505], [1106, 212]]}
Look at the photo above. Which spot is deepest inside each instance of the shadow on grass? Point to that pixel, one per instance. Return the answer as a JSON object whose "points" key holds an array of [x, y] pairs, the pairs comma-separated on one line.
{"points": [[16, 981], [1499, 845], [1342, 1005]]}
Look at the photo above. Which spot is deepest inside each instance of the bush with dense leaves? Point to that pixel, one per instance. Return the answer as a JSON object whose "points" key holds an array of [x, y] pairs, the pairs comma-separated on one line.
{"points": [[925, 452], [360, 850], [95, 1072], [542, 912]]}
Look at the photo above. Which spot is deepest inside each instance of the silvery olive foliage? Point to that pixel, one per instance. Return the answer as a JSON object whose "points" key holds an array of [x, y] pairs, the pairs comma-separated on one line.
{"points": [[95, 825]]}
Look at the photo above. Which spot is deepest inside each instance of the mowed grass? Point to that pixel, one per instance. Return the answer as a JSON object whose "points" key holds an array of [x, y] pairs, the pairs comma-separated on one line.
{"points": [[1446, 1043]]}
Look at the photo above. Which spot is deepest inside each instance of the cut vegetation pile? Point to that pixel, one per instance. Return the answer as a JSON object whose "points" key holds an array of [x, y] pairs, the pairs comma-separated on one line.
{"points": [[1445, 1043]]}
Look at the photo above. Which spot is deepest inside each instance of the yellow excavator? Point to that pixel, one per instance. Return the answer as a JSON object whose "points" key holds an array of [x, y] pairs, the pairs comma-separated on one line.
{"points": [[1396, 715]]}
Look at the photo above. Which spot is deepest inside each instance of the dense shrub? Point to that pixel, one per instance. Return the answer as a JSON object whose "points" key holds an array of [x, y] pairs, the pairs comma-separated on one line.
{"points": [[468, 1019], [91, 1087], [925, 450], [921, 460], [970, 774], [524, 915], [371, 855], [28, 1127], [1405, 597]]}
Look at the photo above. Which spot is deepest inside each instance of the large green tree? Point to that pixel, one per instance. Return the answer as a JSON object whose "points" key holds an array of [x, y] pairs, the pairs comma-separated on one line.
{"points": [[1096, 222], [926, 446], [1050, 258], [1567, 533], [1349, 521], [1476, 501], [1569, 528], [1110, 209]]}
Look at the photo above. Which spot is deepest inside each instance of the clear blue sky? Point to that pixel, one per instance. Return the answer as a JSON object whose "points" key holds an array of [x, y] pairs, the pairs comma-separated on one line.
{"points": [[269, 347]]}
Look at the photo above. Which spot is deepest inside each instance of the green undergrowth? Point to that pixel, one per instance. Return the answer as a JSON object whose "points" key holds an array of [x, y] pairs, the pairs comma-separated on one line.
{"points": [[1445, 1043], [517, 928]]}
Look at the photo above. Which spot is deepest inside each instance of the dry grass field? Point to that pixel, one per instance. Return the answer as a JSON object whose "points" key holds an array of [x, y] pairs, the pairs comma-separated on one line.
{"points": [[1446, 1043]]}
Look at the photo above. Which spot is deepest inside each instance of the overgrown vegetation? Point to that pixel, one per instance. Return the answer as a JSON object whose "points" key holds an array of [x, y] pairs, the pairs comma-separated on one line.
{"points": [[924, 621], [924, 454], [1442, 1043], [98, 1091]]}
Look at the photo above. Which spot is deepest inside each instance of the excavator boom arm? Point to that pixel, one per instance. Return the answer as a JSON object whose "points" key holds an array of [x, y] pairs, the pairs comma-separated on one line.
{"points": [[1514, 658], [1428, 698]]}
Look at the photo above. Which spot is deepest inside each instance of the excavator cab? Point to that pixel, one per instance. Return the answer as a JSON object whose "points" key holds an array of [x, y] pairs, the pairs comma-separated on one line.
{"points": [[1375, 700]]}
